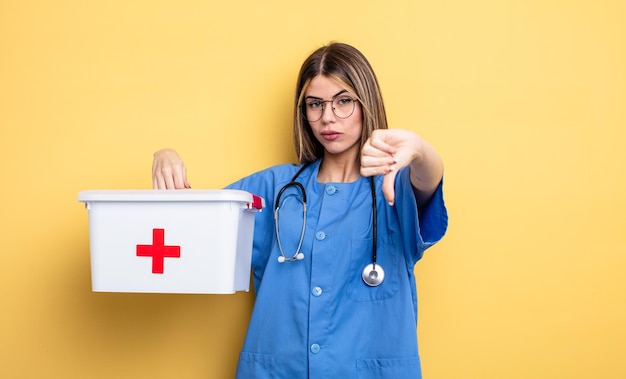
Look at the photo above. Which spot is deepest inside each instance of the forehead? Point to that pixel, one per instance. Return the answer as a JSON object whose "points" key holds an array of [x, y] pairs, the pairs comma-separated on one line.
{"points": [[324, 87]]}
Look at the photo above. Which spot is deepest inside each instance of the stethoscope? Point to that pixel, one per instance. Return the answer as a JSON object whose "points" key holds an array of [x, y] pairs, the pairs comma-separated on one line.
{"points": [[373, 274]]}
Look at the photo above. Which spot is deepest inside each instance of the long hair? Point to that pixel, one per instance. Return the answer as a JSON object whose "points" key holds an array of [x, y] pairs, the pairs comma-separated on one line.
{"points": [[349, 68]]}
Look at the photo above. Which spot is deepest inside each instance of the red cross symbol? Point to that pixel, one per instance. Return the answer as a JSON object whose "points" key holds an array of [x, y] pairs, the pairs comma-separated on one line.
{"points": [[158, 251]]}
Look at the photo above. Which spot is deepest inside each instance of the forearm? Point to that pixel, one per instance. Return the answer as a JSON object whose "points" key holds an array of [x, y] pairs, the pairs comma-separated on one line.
{"points": [[426, 172]]}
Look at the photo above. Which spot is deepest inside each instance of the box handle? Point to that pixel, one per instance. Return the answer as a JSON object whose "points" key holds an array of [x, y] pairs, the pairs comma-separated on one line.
{"points": [[257, 202]]}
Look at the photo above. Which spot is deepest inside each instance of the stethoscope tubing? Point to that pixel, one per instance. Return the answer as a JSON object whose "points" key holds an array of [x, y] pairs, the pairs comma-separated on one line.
{"points": [[371, 276]]}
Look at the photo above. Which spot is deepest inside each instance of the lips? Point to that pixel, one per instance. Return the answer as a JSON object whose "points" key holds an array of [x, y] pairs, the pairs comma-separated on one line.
{"points": [[330, 135]]}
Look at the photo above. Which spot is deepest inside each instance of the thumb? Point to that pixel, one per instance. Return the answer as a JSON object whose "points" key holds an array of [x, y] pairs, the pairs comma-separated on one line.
{"points": [[388, 187]]}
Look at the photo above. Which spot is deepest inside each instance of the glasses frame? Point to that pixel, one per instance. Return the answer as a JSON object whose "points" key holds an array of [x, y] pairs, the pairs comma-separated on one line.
{"points": [[323, 103]]}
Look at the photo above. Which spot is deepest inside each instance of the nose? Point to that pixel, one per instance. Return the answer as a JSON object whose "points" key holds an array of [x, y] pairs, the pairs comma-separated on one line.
{"points": [[327, 112]]}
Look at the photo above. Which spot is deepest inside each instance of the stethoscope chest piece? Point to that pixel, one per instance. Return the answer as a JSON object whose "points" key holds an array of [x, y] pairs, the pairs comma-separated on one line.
{"points": [[373, 275]]}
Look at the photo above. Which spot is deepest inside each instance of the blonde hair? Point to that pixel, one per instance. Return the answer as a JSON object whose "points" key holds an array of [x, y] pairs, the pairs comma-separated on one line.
{"points": [[349, 68]]}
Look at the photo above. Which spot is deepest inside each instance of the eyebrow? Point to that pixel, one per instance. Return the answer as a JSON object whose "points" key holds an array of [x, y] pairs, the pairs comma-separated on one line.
{"points": [[319, 98]]}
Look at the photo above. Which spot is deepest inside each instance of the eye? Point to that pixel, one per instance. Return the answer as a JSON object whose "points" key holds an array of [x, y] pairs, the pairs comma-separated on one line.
{"points": [[314, 104], [344, 100]]}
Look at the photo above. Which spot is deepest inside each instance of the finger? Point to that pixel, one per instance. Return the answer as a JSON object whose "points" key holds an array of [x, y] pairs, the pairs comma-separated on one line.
{"points": [[377, 170], [179, 179], [388, 187], [372, 151], [377, 164], [169, 181], [155, 181], [160, 183], [187, 185], [379, 141], [375, 161], [168, 178], [381, 162]]}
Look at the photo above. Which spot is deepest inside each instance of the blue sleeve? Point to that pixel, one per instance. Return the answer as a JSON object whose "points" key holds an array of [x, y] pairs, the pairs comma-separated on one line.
{"points": [[420, 227], [263, 184], [259, 184]]}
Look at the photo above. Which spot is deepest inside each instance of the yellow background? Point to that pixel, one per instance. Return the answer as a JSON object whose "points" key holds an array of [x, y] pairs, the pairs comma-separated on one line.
{"points": [[525, 100]]}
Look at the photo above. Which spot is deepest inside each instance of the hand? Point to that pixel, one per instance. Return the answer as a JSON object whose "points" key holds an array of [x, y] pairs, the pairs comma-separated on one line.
{"points": [[386, 152], [168, 171]]}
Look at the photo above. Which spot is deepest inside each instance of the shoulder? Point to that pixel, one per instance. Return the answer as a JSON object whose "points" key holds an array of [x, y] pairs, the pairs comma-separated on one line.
{"points": [[266, 180], [275, 174]]}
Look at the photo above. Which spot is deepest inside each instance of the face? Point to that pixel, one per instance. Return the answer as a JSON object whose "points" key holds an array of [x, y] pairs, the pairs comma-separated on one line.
{"points": [[339, 136]]}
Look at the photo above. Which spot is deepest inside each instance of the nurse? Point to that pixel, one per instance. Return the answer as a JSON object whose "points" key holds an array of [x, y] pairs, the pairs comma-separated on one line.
{"points": [[334, 282]]}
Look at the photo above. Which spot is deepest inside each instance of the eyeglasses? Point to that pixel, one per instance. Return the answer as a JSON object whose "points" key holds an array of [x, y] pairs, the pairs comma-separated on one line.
{"points": [[343, 106]]}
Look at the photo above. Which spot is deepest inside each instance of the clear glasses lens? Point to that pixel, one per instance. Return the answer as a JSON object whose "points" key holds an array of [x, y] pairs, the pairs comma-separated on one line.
{"points": [[342, 106]]}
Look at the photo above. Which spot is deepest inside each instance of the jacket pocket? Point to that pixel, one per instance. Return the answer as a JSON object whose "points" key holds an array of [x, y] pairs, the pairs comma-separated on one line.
{"points": [[387, 258], [395, 368], [256, 366]]}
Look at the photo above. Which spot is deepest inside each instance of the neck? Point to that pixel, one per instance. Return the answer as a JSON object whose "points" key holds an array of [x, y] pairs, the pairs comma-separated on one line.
{"points": [[338, 170]]}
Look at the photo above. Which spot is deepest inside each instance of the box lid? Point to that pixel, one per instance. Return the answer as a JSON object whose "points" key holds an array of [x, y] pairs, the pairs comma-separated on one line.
{"points": [[171, 195]]}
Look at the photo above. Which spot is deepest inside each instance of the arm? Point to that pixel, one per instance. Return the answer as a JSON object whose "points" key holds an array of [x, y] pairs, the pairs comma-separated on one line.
{"points": [[388, 150], [426, 172], [168, 170]]}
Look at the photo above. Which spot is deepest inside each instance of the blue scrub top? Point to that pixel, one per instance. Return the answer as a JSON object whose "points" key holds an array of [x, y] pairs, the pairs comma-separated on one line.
{"points": [[316, 318]]}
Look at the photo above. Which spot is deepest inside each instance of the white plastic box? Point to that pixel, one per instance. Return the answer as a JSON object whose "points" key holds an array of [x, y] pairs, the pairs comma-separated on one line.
{"points": [[171, 241]]}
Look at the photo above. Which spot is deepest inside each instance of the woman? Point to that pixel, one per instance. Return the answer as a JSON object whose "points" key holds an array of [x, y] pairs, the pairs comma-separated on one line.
{"points": [[334, 283]]}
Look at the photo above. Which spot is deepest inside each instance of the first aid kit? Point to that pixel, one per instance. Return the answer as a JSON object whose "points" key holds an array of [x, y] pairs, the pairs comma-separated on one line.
{"points": [[171, 241]]}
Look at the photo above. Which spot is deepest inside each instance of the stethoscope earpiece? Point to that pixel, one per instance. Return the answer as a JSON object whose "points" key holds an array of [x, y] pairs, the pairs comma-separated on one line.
{"points": [[297, 257]]}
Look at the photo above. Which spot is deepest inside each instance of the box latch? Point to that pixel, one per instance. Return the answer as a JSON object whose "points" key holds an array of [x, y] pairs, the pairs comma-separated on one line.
{"points": [[257, 203]]}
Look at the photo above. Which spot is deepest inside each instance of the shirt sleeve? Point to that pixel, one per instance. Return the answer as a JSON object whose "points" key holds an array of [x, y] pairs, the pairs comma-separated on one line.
{"points": [[421, 228], [263, 184]]}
